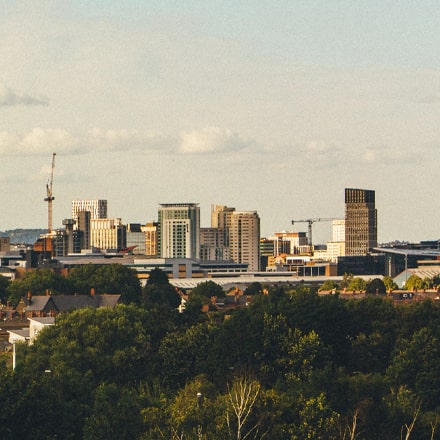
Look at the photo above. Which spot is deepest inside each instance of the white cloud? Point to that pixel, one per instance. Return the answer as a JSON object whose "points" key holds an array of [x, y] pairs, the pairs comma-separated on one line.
{"points": [[38, 141], [46, 140], [41, 141], [124, 140], [9, 97], [210, 140]]}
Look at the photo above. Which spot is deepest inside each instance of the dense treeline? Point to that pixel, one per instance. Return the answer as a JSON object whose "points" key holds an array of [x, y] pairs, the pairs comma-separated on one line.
{"points": [[110, 278], [292, 365]]}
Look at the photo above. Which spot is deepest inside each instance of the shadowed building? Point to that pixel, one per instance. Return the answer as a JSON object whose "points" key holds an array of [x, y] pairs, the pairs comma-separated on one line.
{"points": [[360, 221]]}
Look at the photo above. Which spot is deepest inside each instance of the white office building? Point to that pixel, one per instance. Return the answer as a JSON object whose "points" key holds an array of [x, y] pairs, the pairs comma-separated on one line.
{"points": [[178, 231]]}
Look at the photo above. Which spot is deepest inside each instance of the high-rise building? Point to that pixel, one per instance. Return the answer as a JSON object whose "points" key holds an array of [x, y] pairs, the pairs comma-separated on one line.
{"points": [[178, 231], [82, 228], [135, 238], [360, 221], [97, 208], [267, 251], [212, 246], [338, 229], [290, 243], [221, 219], [244, 238], [108, 233], [150, 230]]}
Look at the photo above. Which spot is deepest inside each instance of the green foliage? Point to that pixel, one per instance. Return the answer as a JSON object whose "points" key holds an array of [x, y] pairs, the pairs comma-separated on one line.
{"points": [[159, 293], [357, 285], [193, 411], [376, 286], [111, 345], [111, 278], [416, 365], [292, 365], [414, 282], [254, 288], [115, 414], [208, 289], [317, 420], [183, 354], [37, 282], [158, 276], [389, 283], [346, 280], [4, 284], [329, 285]]}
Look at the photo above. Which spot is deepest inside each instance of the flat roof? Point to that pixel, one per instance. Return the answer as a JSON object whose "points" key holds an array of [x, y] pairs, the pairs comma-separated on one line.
{"points": [[398, 251]]}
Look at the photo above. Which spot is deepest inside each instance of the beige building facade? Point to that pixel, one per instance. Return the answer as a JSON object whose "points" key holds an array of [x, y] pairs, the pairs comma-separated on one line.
{"points": [[244, 238], [107, 233]]}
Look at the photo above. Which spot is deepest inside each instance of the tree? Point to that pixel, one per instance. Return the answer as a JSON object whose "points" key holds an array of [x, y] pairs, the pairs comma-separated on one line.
{"points": [[414, 282], [317, 420], [115, 414], [193, 411], [357, 284], [158, 292], [158, 276], [4, 284], [329, 285], [112, 345], [111, 278], [389, 283], [38, 282], [416, 365], [240, 400], [376, 286], [208, 289], [346, 280], [254, 288], [436, 281]]}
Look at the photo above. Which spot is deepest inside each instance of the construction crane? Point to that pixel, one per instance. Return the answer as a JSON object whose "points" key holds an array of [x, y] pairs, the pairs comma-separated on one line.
{"points": [[310, 222], [50, 198]]}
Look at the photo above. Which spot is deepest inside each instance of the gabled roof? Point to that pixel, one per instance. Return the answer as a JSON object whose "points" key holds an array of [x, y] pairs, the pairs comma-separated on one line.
{"points": [[107, 300], [65, 303], [38, 303]]}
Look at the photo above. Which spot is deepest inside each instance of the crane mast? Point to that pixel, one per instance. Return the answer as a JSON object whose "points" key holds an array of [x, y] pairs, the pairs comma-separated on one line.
{"points": [[50, 198]]}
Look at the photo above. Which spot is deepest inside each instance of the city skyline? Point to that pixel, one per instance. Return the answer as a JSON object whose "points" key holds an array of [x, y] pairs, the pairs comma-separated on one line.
{"points": [[268, 107]]}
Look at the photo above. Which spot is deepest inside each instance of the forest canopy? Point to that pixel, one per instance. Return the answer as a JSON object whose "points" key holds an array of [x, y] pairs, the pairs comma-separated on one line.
{"points": [[291, 365]]}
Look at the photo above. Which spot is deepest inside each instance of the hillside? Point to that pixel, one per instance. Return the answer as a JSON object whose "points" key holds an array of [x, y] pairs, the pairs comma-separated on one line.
{"points": [[27, 236]]}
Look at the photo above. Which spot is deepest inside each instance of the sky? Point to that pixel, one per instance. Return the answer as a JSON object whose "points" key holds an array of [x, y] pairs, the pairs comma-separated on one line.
{"points": [[273, 106]]}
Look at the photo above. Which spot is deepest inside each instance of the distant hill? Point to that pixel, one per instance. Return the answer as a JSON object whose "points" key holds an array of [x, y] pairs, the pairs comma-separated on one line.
{"points": [[27, 236]]}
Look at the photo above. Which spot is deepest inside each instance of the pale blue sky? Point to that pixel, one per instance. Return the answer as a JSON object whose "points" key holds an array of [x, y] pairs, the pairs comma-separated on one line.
{"points": [[267, 106]]}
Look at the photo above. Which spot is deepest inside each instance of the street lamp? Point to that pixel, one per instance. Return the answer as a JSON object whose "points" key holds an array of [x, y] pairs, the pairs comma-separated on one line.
{"points": [[200, 426], [13, 356]]}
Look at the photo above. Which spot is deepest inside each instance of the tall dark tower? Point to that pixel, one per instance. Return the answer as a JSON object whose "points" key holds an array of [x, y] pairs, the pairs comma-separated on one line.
{"points": [[360, 221]]}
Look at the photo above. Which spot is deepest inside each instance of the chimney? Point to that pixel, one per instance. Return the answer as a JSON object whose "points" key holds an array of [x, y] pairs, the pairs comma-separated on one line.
{"points": [[29, 297], [92, 292]]}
